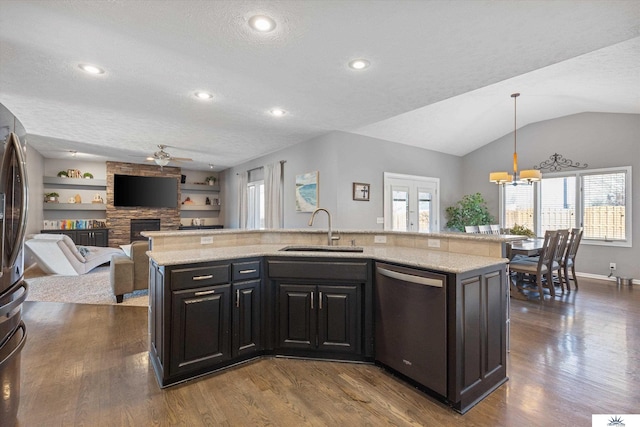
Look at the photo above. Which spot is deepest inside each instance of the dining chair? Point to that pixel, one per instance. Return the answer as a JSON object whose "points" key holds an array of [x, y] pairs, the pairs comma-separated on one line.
{"points": [[540, 268], [568, 261], [484, 229], [556, 264], [471, 229], [495, 228]]}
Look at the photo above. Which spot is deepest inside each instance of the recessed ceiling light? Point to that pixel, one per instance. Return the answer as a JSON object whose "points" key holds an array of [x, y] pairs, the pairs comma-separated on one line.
{"points": [[91, 69], [278, 112], [203, 95], [262, 23], [359, 64]]}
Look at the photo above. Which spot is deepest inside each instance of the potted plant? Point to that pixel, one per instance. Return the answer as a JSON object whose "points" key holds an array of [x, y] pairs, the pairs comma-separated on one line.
{"points": [[87, 175], [211, 180], [470, 210], [62, 174], [521, 230], [51, 197]]}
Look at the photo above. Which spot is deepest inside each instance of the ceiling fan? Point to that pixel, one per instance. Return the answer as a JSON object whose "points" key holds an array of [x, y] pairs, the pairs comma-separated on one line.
{"points": [[162, 158]]}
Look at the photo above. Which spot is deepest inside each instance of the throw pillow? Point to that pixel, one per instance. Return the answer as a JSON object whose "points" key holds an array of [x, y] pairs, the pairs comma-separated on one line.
{"points": [[84, 251]]}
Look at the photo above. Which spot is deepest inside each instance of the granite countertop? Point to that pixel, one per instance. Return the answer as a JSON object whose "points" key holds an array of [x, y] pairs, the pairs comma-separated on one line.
{"points": [[436, 235], [421, 258]]}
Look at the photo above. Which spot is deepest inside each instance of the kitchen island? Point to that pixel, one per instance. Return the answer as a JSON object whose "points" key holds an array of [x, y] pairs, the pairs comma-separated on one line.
{"points": [[221, 298]]}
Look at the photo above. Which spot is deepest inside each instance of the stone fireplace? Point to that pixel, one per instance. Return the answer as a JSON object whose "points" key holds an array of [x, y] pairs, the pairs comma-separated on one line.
{"points": [[140, 225], [119, 219]]}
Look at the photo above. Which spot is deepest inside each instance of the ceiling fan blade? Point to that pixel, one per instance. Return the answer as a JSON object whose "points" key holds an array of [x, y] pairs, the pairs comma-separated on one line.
{"points": [[182, 159]]}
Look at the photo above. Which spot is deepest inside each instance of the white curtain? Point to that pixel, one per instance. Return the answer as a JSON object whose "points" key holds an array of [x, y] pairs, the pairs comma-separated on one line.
{"points": [[242, 199], [273, 217]]}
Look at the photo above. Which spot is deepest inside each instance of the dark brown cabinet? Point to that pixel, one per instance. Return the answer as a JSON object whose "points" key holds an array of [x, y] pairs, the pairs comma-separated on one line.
{"points": [[199, 328], [322, 317], [214, 312], [88, 237], [246, 318]]}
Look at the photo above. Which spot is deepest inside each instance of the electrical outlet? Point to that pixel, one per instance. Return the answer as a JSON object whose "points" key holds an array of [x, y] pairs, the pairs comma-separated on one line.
{"points": [[206, 240], [380, 239], [433, 243], [612, 266]]}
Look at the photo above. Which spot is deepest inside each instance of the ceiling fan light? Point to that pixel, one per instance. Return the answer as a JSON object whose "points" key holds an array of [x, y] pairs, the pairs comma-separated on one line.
{"points": [[161, 161], [203, 95]]}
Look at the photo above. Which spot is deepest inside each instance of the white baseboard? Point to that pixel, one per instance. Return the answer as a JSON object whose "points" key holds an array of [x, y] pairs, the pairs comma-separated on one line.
{"points": [[596, 276]]}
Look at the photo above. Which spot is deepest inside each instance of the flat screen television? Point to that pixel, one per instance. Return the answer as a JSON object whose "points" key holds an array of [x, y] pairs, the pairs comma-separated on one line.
{"points": [[145, 191]]}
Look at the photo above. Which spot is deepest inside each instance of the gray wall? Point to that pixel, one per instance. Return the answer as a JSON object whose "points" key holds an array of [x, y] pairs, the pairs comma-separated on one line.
{"points": [[600, 140], [341, 159]]}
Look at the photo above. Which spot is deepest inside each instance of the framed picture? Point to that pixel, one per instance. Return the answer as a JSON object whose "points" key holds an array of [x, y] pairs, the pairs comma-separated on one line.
{"points": [[307, 192], [361, 191]]}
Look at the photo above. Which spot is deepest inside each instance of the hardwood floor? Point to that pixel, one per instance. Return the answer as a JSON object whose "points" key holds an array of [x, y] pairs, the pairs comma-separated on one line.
{"points": [[571, 357]]}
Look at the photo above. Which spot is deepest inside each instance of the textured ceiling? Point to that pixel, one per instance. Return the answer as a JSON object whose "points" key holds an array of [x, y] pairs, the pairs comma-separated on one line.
{"points": [[440, 77]]}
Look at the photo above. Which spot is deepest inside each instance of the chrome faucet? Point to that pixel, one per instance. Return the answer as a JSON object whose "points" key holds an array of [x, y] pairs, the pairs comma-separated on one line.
{"points": [[330, 237]]}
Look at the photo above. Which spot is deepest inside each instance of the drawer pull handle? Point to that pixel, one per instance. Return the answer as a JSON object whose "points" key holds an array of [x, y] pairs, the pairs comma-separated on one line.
{"points": [[201, 293], [247, 271], [237, 297], [208, 276]]}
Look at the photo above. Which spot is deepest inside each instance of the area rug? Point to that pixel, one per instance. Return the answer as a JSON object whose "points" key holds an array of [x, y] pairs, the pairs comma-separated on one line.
{"points": [[90, 288]]}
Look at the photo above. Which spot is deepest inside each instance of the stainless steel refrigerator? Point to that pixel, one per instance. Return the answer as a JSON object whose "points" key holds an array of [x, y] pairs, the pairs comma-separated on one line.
{"points": [[13, 289]]}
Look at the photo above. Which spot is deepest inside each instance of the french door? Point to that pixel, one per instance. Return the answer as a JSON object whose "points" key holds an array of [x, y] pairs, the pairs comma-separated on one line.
{"points": [[411, 203]]}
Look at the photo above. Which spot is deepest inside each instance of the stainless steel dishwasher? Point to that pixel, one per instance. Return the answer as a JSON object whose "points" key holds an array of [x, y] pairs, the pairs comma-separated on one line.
{"points": [[411, 324]]}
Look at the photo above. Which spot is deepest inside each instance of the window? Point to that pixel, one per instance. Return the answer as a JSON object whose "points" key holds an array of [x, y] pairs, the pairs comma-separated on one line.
{"points": [[255, 199], [518, 206], [599, 201]]}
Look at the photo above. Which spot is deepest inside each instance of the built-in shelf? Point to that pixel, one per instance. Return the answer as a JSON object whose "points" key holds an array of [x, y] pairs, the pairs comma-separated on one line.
{"points": [[204, 188], [199, 207], [74, 207], [54, 181]]}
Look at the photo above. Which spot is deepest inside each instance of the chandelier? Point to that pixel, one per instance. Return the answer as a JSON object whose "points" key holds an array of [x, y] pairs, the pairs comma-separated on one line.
{"points": [[528, 175]]}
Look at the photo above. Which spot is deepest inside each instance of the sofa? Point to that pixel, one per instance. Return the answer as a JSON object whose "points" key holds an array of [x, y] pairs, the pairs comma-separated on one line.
{"points": [[130, 270], [57, 254]]}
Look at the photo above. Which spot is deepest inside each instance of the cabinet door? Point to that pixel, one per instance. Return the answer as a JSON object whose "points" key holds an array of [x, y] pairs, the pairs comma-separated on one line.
{"points": [[100, 238], [246, 318], [200, 328], [339, 314], [297, 316], [83, 237]]}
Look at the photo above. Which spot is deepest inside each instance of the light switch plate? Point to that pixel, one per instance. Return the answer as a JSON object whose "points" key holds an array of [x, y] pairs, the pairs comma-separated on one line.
{"points": [[433, 243], [380, 239], [206, 240], [380, 220]]}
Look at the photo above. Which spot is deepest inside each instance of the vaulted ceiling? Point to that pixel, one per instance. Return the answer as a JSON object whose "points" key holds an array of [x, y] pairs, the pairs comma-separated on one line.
{"points": [[440, 75]]}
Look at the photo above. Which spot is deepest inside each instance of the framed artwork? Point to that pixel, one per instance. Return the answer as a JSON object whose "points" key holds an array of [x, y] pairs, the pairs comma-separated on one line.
{"points": [[307, 192], [361, 191]]}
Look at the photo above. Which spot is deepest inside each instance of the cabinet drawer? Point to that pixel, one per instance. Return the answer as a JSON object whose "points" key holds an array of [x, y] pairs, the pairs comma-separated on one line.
{"points": [[196, 277], [323, 270], [245, 270]]}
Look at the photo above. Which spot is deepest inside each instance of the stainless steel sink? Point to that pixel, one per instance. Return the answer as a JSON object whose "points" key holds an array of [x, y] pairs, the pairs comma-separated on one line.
{"points": [[308, 248]]}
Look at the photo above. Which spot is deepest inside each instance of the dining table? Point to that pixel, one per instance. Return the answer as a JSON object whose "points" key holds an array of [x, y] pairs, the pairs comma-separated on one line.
{"points": [[527, 247]]}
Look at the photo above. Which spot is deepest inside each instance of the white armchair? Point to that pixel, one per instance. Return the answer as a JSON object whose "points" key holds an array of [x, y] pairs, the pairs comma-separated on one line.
{"points": [[57, 254]]}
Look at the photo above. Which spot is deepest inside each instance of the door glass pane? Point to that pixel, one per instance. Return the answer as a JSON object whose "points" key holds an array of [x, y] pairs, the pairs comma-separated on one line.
{"points": [[604, 206], [424, 210], [400, 209], [518, 206], [558, 203]]}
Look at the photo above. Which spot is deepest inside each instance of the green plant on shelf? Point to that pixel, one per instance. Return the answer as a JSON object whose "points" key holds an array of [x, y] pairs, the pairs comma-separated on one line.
{"points": [[87, 175], [211, 180], [51, 197], [62, 174]]}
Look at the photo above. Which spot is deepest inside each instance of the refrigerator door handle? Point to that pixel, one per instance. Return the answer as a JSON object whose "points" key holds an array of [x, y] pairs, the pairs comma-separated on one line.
{"points": [[13, 148]]}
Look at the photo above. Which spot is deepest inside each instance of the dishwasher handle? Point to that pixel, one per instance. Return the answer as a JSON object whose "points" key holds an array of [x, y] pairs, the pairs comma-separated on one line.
{"points": [[437, 283]]}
